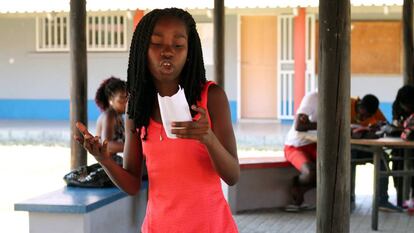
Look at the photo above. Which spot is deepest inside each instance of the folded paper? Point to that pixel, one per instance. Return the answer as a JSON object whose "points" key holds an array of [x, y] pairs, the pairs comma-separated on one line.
{"points": [[173, 108]]}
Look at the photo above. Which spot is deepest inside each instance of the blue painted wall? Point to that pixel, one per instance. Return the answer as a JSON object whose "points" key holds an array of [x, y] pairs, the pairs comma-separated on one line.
{"points": [[30, 109], [386, 109], [233, 110]]}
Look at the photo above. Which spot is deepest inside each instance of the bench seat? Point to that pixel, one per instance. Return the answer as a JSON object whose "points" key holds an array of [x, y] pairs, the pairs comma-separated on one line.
{"points": [[264, 183], [85, 210]]}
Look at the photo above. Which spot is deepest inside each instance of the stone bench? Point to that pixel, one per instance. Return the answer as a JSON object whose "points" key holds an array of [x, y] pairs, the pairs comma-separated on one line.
{"points": [[86, 210], [264, 183]]}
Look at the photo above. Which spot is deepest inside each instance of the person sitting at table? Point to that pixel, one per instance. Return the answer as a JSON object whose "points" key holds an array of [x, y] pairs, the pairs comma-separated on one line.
{"points": [[301, 152], [365, 112], [402, 108]]}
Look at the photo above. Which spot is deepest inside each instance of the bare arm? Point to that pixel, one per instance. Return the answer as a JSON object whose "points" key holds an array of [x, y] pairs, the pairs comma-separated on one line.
{"points": [[302, 123], [127, 178], [220, 141], [108, 122]]}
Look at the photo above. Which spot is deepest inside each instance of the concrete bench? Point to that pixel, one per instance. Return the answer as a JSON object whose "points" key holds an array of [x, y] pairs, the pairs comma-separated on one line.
{"points": [[85, 210], [264, 183]]}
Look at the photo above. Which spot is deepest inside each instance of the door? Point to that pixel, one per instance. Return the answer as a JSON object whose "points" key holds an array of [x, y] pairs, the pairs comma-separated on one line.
{"points": [[258, 67]]}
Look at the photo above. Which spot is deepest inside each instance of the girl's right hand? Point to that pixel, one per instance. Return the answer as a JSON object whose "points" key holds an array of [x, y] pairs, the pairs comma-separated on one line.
{"points": [[92, 143]]}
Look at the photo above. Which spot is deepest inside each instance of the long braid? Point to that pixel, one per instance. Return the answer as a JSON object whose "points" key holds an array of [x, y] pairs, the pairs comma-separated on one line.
{"points": [[141, 89]]}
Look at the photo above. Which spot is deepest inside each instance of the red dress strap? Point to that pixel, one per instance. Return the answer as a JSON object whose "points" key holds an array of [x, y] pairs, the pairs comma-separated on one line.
{"points": [[204, 99]]}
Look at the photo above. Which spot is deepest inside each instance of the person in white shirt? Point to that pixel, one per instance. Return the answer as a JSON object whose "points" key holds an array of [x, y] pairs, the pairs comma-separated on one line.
{"points": [[300, 151]]}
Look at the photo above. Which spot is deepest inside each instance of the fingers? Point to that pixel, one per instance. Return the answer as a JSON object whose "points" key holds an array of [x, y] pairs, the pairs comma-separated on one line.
{"points": [[196, 129], [91, 143], [82, 128], [190, 130], [78, 139], [187, 131], [200, 110], [104, 147], [303, 118]]}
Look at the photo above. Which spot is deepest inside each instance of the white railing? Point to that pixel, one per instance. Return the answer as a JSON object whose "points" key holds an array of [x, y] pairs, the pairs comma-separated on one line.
{"points": [[311, 82], [285, 68], [104, 32], [286, 63]]}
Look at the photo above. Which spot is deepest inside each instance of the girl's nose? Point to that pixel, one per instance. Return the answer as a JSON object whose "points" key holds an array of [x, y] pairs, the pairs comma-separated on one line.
{"points": [[167, 51]]}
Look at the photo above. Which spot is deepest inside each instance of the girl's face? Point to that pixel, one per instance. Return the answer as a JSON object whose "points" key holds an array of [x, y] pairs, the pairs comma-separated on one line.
{"points": [[118, 101], [167, 52]]}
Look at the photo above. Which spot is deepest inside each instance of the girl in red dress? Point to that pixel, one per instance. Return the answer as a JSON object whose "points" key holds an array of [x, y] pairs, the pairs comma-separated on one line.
{"points": [[184, 174]]}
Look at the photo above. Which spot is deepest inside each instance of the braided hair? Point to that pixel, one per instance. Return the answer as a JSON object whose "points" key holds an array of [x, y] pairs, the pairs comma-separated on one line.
{"points": [[140, 86], [108, 88]]}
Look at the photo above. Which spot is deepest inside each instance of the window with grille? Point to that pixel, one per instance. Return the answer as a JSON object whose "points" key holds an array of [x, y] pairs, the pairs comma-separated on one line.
{"points": [[104, 32]]}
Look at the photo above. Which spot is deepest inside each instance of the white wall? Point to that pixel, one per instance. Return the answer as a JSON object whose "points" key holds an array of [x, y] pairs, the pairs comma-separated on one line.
{"points": [[384, 87], [46, 75]]}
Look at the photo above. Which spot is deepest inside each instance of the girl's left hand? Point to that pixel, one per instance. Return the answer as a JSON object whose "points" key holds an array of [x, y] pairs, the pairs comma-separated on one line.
{"points": [[197, 129]]}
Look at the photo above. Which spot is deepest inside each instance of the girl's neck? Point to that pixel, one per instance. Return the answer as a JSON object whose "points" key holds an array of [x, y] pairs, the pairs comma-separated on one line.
{"points": [[167, 89]]}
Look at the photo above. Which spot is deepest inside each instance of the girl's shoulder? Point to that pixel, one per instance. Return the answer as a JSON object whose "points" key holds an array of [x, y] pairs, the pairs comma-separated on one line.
{"points": [[216, 98]]}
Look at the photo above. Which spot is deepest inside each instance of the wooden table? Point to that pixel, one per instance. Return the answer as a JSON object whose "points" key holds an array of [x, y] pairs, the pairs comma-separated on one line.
{"points": [[377, 146]]}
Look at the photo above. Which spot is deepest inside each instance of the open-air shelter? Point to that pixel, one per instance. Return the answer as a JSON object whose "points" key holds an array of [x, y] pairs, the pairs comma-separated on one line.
{"points": [[333, 68]]}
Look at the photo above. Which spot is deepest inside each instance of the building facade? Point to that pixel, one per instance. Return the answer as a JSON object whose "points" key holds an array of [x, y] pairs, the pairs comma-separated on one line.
{"points": [[271, 58]]}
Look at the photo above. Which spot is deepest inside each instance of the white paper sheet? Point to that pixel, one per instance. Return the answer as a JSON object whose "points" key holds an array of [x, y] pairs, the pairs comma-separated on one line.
{"points": [[173, 108]]}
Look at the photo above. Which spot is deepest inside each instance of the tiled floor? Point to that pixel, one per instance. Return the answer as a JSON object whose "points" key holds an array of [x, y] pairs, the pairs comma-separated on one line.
{"points": [[278, 221]]}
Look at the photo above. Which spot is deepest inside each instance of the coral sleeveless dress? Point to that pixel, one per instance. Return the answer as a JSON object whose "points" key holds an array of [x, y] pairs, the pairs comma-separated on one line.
{"points": [[185, 194]]}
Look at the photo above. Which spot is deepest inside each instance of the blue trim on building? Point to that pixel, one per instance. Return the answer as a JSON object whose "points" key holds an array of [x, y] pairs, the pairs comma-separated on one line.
{"points": [[40, 109], [233, 110], [386, 109], [286, 122]]}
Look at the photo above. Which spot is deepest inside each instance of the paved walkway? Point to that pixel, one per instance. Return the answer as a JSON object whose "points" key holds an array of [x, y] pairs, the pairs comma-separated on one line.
{"points": [[277, 221], [257, 135]]}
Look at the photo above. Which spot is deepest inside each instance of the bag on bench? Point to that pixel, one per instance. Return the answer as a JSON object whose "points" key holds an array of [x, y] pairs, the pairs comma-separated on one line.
{"points": [[93, 176]]}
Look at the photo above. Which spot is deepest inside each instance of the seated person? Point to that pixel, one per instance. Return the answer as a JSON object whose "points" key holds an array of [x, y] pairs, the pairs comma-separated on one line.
{"points": [[301, 152], [402, 108], [365, 112], [111, 98], [403, 105]]}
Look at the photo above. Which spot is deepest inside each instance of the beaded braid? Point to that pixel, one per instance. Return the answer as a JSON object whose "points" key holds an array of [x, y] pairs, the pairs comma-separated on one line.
{"points": [[141, 89], [108, 88]]}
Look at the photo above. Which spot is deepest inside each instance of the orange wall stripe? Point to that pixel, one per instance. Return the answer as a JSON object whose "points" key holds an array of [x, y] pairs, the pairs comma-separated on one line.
{"points": [[138, 16], [300, 56]]}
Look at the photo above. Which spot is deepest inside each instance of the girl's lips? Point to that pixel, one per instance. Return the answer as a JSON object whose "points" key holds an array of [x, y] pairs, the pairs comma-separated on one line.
{"points": [[165, 63], [166, 67]]}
